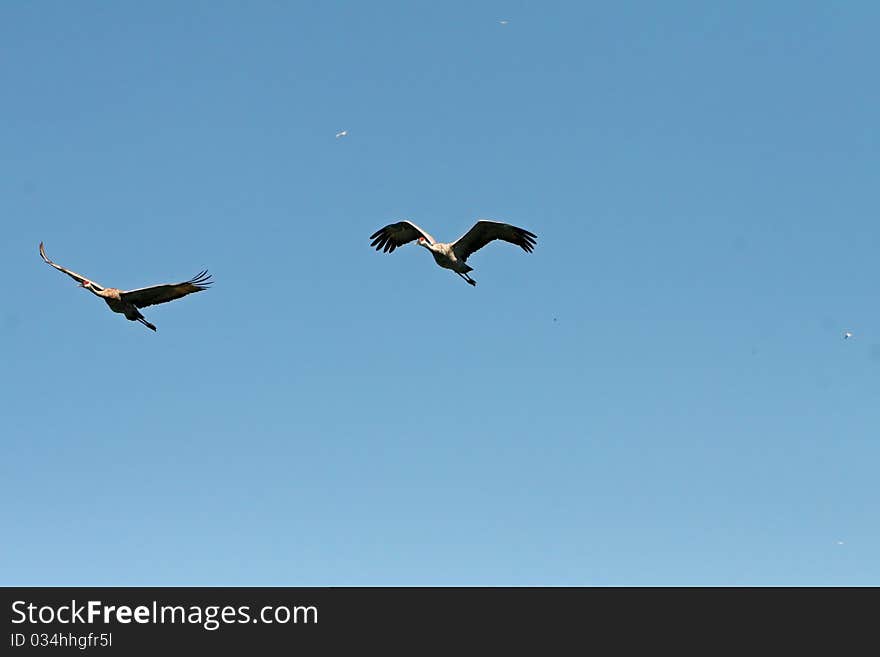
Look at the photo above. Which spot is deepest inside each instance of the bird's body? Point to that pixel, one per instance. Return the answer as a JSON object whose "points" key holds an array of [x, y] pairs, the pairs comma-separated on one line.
{"points": [[118, 304], [128, 302], [444, 255], [453, 255]]}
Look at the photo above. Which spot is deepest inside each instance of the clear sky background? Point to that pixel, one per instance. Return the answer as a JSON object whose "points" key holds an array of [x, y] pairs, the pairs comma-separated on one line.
{"points": [[660, 394]]}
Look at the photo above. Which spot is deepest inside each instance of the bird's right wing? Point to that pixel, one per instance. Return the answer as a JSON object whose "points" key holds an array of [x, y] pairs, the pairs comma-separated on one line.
{"points": [[393, 235], [150, 296], [484, 231], [77, 277]]}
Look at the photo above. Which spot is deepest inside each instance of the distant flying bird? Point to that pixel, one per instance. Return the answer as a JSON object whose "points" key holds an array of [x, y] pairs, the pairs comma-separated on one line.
{"points": [[454, 255], [341, 133], [504, 21], [847, 335], [128, 302]]}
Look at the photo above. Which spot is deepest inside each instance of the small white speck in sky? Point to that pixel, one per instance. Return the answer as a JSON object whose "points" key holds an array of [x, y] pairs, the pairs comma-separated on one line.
{"points": [[341, 133], [503, 21], [847, 335]]}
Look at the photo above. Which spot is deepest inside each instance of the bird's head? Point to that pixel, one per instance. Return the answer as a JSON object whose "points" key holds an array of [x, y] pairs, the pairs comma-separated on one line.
{"points": [[423, 242], [86, 284]]}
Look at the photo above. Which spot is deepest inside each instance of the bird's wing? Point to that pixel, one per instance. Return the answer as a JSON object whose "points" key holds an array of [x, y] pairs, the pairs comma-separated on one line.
{"points": [[77, 277], [485, 231], [150, 296], [393, 235]]}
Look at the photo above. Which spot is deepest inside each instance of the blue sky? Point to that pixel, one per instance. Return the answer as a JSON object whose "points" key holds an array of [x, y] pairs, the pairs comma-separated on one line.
{"points": [[659, 395]]}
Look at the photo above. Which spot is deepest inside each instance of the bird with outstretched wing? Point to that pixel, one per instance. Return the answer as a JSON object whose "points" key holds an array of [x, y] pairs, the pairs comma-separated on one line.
{"points": [[453, 255], [127, 302]]}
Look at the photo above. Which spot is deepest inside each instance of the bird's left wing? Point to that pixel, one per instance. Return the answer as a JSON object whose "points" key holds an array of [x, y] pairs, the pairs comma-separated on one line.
{"points": [[485, 231], [79, 278], [150, 296], [393, 235]]}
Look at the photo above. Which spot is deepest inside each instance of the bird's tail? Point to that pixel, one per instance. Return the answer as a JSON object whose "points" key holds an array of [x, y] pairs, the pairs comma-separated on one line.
{"points": [[146, 323]]}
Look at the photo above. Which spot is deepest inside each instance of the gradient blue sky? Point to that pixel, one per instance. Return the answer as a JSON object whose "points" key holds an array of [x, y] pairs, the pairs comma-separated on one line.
{"points": [[660, 394]]}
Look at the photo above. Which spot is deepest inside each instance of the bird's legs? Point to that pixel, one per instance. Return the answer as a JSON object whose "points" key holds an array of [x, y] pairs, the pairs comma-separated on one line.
{"points": [[467, 278]]}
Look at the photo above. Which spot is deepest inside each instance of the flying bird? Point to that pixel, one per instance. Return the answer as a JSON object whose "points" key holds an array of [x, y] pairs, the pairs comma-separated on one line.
{"points": [[504, 21], [341, 133], [847, 335], [453, 255], [127, 302]]}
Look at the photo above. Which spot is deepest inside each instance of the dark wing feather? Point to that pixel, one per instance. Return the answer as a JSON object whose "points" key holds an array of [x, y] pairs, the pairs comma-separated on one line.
{"points": [[485, 231], [393, 235], [150, 296], [77, 277]]}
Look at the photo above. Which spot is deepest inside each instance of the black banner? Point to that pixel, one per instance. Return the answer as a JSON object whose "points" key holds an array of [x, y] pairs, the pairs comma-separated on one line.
{"points": [[174, 620]]}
